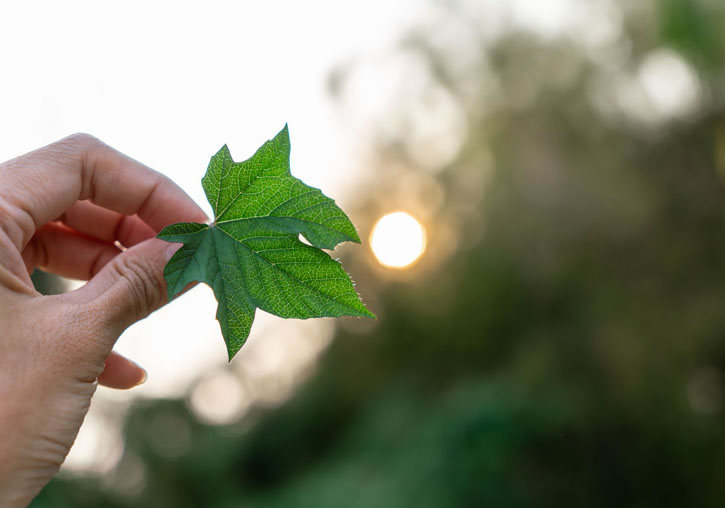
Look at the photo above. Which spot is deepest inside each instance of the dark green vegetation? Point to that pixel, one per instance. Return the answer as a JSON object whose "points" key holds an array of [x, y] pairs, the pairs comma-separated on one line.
{"points": [[251, 255], [571, 352]]}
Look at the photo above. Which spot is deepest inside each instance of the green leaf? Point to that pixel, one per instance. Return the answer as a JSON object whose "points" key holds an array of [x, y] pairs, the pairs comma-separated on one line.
{"points": [[251, 255]]}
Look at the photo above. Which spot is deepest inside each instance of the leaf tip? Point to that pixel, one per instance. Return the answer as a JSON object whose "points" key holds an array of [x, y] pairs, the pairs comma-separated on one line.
{"points": [[361, 310], [283, 137], [223, 152], [231, 352], [369, 314], [355, 236], [234, 345]]}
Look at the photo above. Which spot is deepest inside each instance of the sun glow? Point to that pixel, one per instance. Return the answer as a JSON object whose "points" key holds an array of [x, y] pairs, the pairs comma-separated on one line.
{"points": [[397, 240]]}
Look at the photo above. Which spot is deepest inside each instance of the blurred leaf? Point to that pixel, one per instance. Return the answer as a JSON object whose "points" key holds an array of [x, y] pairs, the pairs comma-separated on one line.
{"points": [[688, 26]]}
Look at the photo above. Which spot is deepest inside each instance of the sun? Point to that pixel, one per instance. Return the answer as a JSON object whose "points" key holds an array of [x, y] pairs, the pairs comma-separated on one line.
{"points": [[397, 240]]}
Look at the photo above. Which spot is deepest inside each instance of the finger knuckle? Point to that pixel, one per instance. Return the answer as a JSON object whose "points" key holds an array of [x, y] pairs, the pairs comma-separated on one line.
{"points": [[76, 147], [82, 139], [142, 283]]}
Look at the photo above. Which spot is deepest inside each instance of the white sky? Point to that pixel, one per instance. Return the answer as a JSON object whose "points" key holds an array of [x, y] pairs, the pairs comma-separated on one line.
{"points": [[170, 82]]}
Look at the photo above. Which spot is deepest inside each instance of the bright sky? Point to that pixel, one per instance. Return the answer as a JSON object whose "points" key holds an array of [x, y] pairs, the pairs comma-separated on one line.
{"points": [[170, 82]]}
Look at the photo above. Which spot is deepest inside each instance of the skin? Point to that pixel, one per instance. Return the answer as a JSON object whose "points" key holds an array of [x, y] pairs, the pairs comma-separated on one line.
{"points": [[62, 207]]}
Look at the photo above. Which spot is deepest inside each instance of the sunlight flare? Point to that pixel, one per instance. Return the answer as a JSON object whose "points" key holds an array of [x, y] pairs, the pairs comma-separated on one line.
{"points": [[398, 240]]}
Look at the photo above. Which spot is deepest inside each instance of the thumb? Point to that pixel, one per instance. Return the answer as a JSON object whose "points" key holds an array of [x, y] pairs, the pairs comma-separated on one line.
{"points": [[132, 285]]}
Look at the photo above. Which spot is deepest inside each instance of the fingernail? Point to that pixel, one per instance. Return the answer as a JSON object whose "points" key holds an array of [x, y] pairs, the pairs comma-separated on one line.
{"points": [[171, 250], [143, 378]]}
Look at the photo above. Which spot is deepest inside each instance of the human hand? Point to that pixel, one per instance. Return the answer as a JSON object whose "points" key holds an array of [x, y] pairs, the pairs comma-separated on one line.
{"points": [[62, 207]]}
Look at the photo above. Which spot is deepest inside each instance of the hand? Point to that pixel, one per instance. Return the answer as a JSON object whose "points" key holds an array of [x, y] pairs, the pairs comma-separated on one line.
{"points": [[62, 207]]}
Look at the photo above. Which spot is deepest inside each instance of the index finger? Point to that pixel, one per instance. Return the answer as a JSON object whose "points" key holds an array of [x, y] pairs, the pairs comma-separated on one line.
{"points": [[39, 186]]}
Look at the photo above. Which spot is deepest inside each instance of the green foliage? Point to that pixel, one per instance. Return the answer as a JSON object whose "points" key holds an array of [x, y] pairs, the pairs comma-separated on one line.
{"points": [[692, 30], [251, 255]]}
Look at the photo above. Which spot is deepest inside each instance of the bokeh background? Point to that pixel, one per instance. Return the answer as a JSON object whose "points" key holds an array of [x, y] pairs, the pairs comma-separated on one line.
{"points": [[551, 307]]}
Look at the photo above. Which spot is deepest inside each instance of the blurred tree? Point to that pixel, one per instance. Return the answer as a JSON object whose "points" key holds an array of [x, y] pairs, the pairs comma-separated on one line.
{"points": [[47, 283]]}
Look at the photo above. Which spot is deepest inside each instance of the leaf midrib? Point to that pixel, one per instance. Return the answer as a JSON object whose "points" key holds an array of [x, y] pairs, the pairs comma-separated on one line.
{"points": [[321, 224], [277, 267], [242, 191]]}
